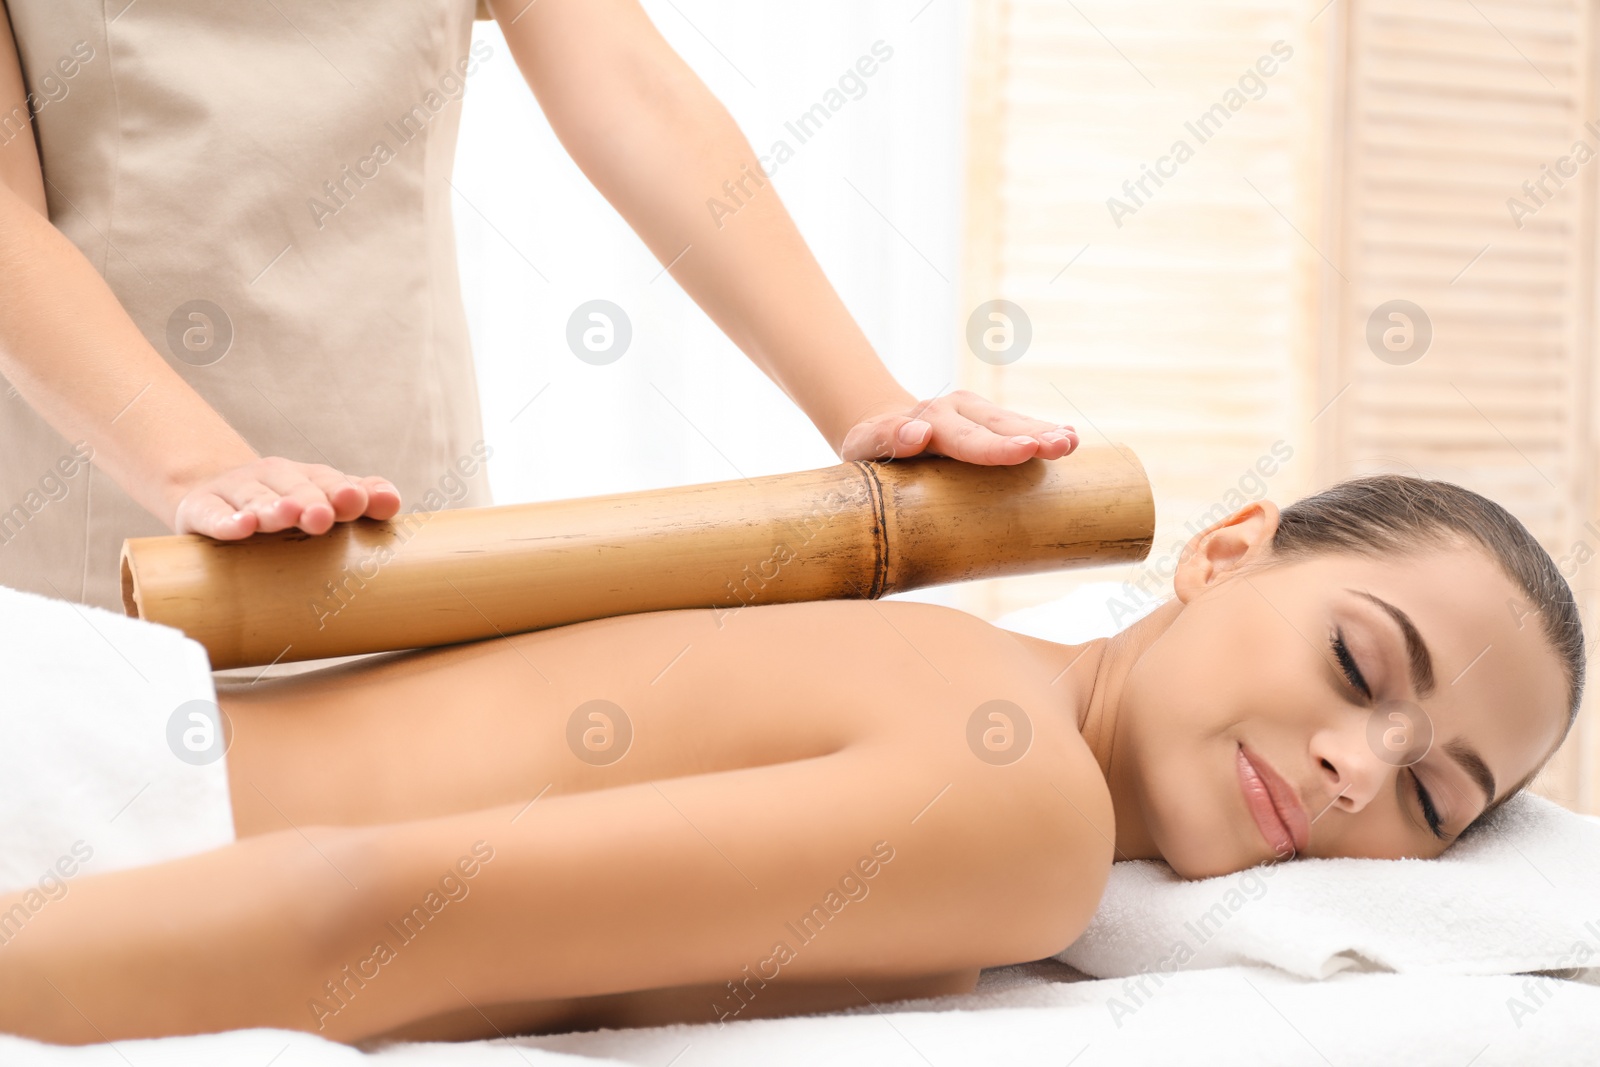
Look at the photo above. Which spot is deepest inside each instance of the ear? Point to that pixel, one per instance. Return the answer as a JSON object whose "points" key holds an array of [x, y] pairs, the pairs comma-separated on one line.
{"points": [[1216, 553]]}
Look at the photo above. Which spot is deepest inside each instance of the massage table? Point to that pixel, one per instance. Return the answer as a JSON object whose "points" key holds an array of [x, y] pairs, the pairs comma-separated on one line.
{"points": [[896, 526]]}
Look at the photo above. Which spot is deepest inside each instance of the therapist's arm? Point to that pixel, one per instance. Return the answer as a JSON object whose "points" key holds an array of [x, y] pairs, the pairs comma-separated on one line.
{"points": [[658, 145], [75, 356]]}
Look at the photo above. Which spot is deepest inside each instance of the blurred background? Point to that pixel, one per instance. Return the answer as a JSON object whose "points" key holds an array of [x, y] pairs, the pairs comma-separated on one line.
{"points": [[1266, 244]]}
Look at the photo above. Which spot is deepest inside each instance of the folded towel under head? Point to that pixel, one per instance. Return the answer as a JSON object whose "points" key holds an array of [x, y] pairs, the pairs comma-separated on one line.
{"points": [[1518, 893]]}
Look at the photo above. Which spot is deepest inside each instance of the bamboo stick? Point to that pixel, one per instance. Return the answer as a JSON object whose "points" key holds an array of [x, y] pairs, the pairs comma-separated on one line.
{"points": [[853, 530]]}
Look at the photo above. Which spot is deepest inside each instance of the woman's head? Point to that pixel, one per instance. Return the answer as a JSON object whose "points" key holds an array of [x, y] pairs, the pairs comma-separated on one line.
{"points": [[1386, 633]]}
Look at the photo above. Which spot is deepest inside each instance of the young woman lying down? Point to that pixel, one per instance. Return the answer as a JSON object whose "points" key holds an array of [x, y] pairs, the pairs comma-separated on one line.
{"points": [[800, 807]]}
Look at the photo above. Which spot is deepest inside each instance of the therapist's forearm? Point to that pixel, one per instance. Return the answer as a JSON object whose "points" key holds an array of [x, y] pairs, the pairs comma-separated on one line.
{"points": [[659, 146], [754, 275], [77, 358]]}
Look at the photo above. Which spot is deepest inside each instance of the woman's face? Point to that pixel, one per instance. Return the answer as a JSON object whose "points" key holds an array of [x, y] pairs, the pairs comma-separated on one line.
{"points": [[1251, 666]]}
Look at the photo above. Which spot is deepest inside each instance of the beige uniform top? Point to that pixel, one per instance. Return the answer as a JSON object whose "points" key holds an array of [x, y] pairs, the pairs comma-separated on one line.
{"points": [[265, 187]]}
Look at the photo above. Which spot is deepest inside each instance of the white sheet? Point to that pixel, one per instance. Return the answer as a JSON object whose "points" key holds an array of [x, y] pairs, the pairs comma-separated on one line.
{"points": [[1019, 1015]]}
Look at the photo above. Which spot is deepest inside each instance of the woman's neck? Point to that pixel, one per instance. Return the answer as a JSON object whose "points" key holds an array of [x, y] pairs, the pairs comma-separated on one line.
{"points": [[1090, 678]]}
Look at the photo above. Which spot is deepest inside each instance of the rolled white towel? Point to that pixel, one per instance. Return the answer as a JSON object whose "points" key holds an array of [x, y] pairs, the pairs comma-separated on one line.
{"points": [[1519, 893], [112, 753]]}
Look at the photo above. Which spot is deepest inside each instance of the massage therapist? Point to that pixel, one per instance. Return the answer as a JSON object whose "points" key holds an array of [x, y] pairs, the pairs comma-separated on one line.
{"points": [[156, 161]]}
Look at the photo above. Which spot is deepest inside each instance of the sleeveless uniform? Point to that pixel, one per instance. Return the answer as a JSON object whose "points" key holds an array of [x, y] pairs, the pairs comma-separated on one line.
{"points": [[265, 188]]}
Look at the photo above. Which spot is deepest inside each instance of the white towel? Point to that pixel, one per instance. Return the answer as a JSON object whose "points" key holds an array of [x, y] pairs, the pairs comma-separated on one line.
{"points": [[1519, 893], [1225, 1017], [96, 711]]}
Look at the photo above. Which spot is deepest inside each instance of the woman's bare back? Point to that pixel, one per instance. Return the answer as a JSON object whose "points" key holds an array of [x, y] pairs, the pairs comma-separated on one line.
{"points": [[616, 701], [645, 698], [791, 808]]}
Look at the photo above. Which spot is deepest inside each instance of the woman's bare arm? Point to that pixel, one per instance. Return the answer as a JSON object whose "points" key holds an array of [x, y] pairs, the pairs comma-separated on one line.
{"points": [[659, 145], [79, 360], [76, 357], [356, 932], [73, 352], [665, 152]]}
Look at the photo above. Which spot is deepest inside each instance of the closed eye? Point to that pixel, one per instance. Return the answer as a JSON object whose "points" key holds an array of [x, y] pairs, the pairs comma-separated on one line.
{"points": [[1347, 664], [1429, 813]]}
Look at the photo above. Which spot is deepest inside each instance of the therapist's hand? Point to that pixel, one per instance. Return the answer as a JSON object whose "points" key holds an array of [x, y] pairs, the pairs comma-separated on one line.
{"points": [[274, 493], [961, 425]]}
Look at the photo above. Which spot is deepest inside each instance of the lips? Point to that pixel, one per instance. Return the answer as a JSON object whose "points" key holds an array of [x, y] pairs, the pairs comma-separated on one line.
{"points": [[1273, 804]]}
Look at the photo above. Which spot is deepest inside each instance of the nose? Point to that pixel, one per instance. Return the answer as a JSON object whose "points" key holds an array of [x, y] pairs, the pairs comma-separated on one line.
{"points": [[1352, 772]]}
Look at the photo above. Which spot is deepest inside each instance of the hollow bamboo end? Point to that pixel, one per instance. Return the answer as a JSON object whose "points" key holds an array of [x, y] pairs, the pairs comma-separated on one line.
{"points": [[130, 589]]}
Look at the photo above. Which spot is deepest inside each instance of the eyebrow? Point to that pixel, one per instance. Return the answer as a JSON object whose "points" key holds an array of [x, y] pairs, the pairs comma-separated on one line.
{"points": [[1464, 754], [1421, 663]]}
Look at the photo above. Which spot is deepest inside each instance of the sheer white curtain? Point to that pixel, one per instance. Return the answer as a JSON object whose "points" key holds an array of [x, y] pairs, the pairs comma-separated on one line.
{"points": [[876, 191]]}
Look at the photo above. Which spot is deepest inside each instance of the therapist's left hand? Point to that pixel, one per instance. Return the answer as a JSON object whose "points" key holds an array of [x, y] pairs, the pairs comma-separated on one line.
{"points": [[961, 425]]}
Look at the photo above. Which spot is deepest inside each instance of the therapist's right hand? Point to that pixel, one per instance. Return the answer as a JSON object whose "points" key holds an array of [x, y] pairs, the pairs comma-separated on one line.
{"points": [[273, 493]]}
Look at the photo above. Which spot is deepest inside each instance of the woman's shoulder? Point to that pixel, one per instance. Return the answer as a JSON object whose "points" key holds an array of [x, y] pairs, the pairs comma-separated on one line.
{"points": [[1015, 807], [1007, 741]]}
